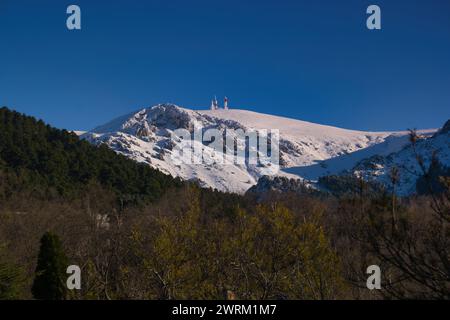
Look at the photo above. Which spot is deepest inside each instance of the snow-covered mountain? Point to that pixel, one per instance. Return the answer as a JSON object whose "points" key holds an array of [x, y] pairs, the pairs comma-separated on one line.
{"points": [[411, 162], [307, 150]]}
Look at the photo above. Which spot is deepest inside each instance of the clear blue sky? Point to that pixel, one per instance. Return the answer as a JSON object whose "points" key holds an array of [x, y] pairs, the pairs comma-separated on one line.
{"points": [[311, 60]]}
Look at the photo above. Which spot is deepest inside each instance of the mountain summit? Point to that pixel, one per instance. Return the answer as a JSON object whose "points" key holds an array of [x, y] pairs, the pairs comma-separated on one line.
{"points": [[307, 150]]}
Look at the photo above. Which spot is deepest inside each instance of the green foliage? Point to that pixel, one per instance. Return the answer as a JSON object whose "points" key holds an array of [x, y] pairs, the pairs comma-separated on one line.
{"points": [[11, 281], [283, 257], [348, 185], [12, 277], [52, 162], [266, 254], [49, 282]]}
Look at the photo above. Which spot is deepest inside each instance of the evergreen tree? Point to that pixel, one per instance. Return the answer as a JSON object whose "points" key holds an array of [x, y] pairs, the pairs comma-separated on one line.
{"points": [[49, 282]]}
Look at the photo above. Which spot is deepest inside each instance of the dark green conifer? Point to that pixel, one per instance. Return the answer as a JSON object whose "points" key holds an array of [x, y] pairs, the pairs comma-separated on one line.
{"points": [[49, 282]]}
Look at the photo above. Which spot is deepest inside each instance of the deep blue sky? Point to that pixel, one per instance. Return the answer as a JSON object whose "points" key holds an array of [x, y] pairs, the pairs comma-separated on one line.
{"points": [[311, 60]]}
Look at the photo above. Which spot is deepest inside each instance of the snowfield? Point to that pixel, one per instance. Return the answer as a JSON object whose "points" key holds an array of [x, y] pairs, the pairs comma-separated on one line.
{"points": [[307, 150]]}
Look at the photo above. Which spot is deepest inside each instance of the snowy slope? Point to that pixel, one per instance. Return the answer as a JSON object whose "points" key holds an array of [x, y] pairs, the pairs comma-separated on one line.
{"points": [[339, 164], [305, 147], [307, 144], [378, 167]]}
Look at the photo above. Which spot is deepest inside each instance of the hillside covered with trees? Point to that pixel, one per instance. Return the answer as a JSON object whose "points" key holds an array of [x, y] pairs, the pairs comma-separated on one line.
{"points": [[139, 234], [49, 162]]}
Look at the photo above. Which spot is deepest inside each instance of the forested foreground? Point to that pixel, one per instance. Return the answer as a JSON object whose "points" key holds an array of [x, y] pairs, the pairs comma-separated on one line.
{"points": [[138, 234]]}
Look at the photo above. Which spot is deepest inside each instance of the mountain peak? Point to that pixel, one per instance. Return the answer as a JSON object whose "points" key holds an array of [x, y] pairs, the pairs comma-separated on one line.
{"points": [[146, 136]]}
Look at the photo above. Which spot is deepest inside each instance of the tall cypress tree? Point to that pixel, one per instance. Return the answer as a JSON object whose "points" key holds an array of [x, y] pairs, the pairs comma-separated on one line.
{"points": [[49, 282]]}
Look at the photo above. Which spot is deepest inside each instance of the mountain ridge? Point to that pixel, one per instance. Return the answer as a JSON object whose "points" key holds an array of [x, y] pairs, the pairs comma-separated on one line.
{"points": [[145, 136]]}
